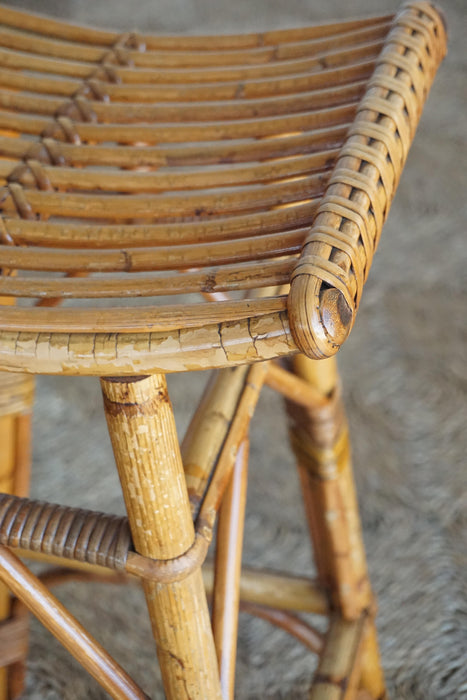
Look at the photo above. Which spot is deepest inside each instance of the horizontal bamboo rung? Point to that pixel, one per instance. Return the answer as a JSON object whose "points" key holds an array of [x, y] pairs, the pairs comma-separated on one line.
{"points": [[262, 587]]}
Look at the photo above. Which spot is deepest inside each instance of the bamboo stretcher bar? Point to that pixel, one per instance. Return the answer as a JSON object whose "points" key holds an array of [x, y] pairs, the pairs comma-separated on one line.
{"points": [[68, 631], [207, 431], [257, 586], [247, 401]]}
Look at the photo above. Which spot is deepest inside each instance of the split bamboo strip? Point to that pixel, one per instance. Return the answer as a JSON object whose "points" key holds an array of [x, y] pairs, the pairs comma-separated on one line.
{"points": [[132, 86], [101, 236], [109, 180], [183, 133], [143, 435], [41, 25], [161, 155], [226, 593], [18, 39], [143, 110], [68, 631]]}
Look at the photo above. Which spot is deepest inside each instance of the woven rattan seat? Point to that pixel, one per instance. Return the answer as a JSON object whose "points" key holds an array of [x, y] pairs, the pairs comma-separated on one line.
{"points": [[182, 203], [134, 169]]}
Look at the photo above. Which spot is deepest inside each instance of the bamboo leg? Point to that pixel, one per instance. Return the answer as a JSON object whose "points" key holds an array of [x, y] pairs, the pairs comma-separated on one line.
{"points": [[320, 439], [16, 392], [226, 596], [144, 440], [338, 669], [372, 677]]}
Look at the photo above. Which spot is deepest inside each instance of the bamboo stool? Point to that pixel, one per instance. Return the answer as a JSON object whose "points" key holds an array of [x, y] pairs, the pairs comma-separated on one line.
{"points": [[255, 171]]}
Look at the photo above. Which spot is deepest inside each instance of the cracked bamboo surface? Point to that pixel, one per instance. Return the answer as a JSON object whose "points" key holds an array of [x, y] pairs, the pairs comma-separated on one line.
{"points": [[214, 158], [144, 440]]}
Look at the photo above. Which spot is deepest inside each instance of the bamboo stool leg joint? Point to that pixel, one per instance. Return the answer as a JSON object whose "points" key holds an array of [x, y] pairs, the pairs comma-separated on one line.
{"points": [[175, 569]]}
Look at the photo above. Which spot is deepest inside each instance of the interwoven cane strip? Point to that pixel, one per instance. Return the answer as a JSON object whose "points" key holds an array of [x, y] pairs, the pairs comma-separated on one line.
{"points": [[339, 249]]}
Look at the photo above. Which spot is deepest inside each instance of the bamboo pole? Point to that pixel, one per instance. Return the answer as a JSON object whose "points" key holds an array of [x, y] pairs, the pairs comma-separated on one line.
{"points": [[257, 586], [338, 670], [7, 462], [320, 440], [15, 461], [143, 434], [206, 432], [372, 678], [226, 594]]}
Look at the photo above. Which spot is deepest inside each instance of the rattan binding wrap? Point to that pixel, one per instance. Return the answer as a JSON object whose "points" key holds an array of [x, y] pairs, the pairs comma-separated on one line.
{"points": [[327, 282], [73, 533]]}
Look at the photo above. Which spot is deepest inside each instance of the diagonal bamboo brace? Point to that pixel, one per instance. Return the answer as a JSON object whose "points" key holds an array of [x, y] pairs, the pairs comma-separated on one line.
{"points": [[144, 440]]}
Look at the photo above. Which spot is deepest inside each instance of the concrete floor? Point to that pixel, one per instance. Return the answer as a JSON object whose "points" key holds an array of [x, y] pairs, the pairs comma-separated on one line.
{"points": [[405, 386]]}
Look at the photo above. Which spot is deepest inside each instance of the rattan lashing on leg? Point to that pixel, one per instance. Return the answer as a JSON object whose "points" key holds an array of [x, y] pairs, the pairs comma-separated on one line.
{"points": [[319, 436], [228, 167]]}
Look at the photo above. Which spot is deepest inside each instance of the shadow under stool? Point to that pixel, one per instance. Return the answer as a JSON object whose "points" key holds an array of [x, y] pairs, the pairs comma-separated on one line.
{"points": [[252, 175]]}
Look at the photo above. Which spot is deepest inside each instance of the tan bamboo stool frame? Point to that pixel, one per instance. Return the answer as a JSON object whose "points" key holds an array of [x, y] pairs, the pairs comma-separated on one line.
{"points": [[255, 171]]}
